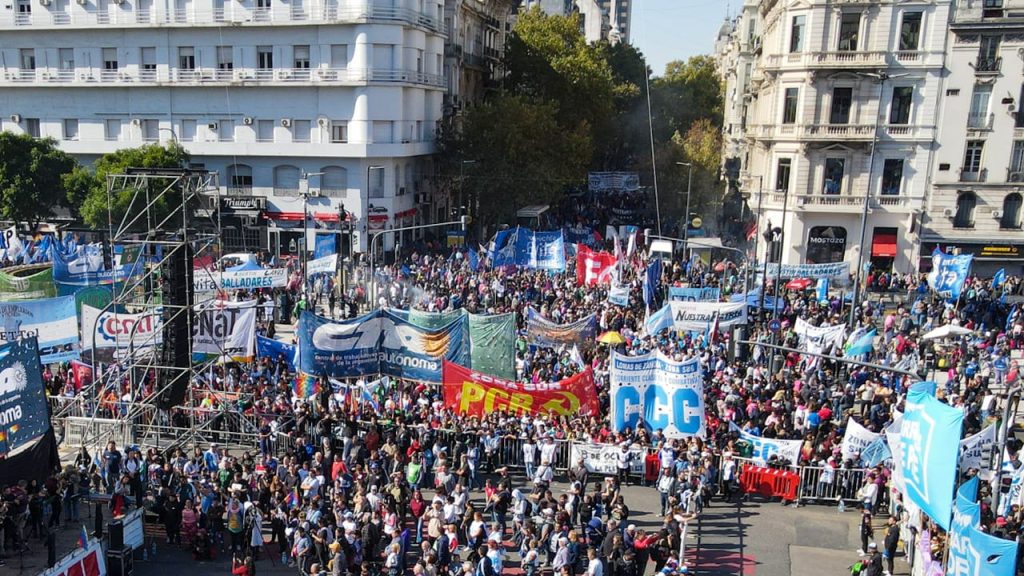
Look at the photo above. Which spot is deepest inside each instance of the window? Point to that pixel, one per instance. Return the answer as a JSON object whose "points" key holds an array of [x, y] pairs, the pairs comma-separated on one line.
{"points": [[789, 106], [225, 58], [300, 130], [32, 127], [264, 130], [842, 102], [147, 58], [339, 55], [71, 129], [892, 176], [835, 169], [239, 179], [188, 130], [333, 181], [965, 204], [24, 7], [1016, 172], [796, 34], [67, 58], [264, 57], [302, 57], [988, 54], [910, 31], [972, 158], [849, 31], [110, 58], [902, 96], [782, 172], [28, 59], [112, 129], [980, 101], [226, 130], [1019, 122], [339, 131], [382, 132], [150, 130], [376, 177], [286, 180], [1011, 211], [187, 58]]}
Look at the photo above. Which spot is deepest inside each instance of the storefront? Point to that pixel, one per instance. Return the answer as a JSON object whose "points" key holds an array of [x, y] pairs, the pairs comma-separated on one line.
{"points": [[988, 257], [826, 244], [884, 248], [242, 224]]}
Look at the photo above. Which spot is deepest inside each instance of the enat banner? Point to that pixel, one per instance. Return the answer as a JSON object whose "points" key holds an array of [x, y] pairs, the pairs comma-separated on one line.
{"points": [[204, 280], [819, 338], [974, 448], [274, 349], [764, 448], [700, 316], [29, 282], [593, 268], [856, 439], [323, 265], [52, 321], [704, 294], [524, 248], [659, 393], [106, 329], [949, 273], [603, 458], [930, 443], [379, 343], [225, 329], [973, 552], [543, 332], [838, 271], [23, 410], [475, 394]]}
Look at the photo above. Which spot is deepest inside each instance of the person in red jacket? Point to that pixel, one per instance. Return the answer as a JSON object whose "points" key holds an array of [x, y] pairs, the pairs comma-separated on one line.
{"points": [[245, 567]]}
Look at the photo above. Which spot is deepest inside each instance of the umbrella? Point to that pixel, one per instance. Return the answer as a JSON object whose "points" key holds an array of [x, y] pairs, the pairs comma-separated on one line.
{"points": [[611, 337], [798, 284], [720, 267], [945, 332]]}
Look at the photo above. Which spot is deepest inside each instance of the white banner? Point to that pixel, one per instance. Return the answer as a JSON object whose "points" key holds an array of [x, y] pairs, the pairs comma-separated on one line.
{"points": [[659, 393], [603, 458], [324, 265], [700, 316], [225, 329], [839, 271], [973, 449], [105, 329], [856, 439], [206, 281], [765, 448], [819, 338]]}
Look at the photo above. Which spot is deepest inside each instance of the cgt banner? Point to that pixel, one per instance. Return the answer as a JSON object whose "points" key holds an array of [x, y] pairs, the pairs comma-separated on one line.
{"points": [[205, 281], [659, 393], [52, 321], [699, 316], [105, 329], [603, 458], [225, 329], [23, 411], [475, 394], [543, 332], [930, 440]]}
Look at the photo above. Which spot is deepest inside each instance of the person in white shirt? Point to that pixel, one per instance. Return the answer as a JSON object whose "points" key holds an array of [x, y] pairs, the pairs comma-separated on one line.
{"points": [[547, 450], [594, 567], [529, 455], [622, 458]]}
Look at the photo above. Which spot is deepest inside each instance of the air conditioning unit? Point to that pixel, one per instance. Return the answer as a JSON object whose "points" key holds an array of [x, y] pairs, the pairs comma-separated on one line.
{"points": [[212, 126], [136, 122], [948, 212], [313, 193], [16, 118], [323, 122], [247, 120], [286, 122], [46, 75], [997, 214], [82, 2], [44, 2]]}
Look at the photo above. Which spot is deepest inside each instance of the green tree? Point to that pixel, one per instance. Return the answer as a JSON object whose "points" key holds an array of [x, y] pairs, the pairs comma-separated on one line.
{"points": [[688, 91], [88, 188], [31, 171]]}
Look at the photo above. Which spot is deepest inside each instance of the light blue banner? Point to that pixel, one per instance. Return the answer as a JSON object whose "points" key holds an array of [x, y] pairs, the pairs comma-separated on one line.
{"points": [[949, 273], [659, 393], [85, 267], [705, 294], [326, 244], [973, 552], [930, 438], [524, 248], [273, 349], [762, 449], [52, 321], [619, 295]]}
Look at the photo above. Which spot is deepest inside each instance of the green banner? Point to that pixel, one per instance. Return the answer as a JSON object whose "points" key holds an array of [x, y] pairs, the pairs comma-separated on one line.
{"points": [[29, 282], [493, 344], [433, 320]]}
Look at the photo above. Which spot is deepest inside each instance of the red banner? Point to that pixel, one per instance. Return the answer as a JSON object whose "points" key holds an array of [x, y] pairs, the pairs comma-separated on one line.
{"points": [[475, 394], [593, 267], [81, 374]]}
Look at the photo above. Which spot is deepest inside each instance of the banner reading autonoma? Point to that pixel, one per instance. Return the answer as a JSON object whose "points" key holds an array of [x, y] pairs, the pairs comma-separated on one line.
{"points": [[23, 413]]}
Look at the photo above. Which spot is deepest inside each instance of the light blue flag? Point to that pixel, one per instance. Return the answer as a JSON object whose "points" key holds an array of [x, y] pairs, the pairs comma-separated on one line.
{"points": [[998, 279], [875, 453], [930, 445], [822, 290], [863, 345], [971, 551], [660, 320], [472, 258], [927, 387]]}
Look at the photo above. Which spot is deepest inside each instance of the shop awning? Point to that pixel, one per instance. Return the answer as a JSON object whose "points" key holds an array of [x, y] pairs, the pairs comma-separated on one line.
{"points": [[327, 216], [406, 213], [378, 218], [883, 245], [286, 216]]}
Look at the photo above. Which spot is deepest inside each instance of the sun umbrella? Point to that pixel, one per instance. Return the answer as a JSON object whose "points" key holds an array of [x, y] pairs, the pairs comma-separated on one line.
{"points": [[720, 267], [947, 331], [798, 284], [611, 337]]}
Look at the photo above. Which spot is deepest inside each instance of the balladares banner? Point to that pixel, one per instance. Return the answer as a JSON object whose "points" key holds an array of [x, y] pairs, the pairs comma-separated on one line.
{"points": [[52, 321], [23, 412], [700, 316], [27, 282], [106, 329], [838, 271], [543, 332], [476, 394], [659, 392], [379, 342], [204, 280], [225, 329]]}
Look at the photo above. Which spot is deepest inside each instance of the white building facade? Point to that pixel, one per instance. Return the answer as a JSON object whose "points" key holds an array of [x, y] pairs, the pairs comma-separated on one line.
{"points": [[838, 113], [975, 202], [600, 19], [337, 101]]}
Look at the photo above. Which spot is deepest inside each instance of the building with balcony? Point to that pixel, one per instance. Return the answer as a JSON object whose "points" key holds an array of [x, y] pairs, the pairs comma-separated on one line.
{"points": [[837, 107], [600, 19], [322, 110], [977, 185]]}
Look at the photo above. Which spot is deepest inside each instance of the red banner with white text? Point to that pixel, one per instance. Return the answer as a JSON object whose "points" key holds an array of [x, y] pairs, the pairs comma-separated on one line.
{"points": [[475, 394], [593, 267]]}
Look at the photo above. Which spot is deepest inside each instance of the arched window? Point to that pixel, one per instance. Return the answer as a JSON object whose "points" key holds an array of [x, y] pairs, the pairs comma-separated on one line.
{"points": [[239, 179], [965, 204], [1011, 211], [333, 181], [286, 180]]}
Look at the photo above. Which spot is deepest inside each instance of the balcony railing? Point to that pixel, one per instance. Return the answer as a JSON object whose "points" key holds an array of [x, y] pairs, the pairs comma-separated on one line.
{"points": [[987, 65], [234, 13], [833, 202], [843, 131], [980, 121], [974, 176], [1015, 174], [221, 76]]}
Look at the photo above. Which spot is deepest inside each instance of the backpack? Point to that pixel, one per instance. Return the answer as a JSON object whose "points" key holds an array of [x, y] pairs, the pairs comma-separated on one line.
{"points": [[857, 568]]}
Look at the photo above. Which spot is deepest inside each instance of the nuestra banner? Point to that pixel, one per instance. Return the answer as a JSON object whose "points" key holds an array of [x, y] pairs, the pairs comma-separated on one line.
{"points": [[700, 316], [659, 393], [205, 281], [226, 329], [476, 394]]}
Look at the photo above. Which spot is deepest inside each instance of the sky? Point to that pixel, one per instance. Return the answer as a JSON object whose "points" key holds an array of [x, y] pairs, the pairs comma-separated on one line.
{"points": [[666, 30]]}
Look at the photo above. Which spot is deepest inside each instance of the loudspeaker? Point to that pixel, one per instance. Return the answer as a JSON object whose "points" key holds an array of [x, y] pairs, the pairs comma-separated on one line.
{"points": [[120, 563], [178, 295], [115, 534]]}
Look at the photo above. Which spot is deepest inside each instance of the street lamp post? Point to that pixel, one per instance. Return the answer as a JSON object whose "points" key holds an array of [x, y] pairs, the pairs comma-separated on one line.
{"points": [[462, 182], [304, 193], [689, 184], [364, 209]]}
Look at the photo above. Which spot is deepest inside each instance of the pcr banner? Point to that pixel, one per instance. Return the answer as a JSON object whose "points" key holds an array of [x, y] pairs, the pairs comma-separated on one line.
{"points": [[226, 329], [659, 393], [603, 458], [700, 316], [469, 392]]}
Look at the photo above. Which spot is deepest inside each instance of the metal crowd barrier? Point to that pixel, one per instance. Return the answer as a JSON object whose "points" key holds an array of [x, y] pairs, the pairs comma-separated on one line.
{"points": [[844, 486]]}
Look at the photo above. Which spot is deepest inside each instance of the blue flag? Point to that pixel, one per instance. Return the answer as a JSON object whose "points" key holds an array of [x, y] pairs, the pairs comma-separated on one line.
{"points": [[998, 279], [652, 280], [863, 345], [927, 387], [1012, 317], [930, 446], [949, 273], [660, 320], [822, 289], [472, 258], [972, 551]]}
